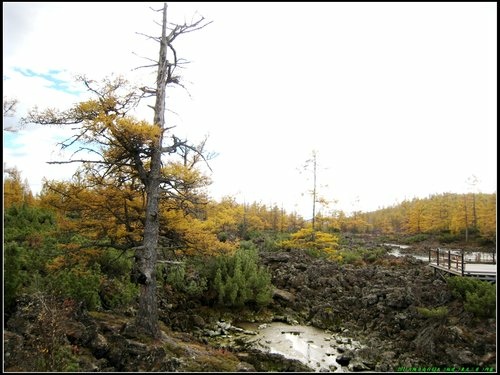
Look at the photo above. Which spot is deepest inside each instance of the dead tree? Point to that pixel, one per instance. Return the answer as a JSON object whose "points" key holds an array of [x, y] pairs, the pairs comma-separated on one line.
{"points": [[168, 62]]}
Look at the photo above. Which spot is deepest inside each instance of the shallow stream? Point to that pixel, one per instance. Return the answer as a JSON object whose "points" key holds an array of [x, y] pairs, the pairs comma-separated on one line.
{"points": [[396, 251], [314, 347]]}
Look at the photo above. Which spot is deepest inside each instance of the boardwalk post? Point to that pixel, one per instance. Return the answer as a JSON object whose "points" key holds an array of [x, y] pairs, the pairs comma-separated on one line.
{"points": [[463, 264], [437, 252], [449, 259]]}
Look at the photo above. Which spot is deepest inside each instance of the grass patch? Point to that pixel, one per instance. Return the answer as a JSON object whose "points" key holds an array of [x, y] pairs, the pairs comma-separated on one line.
{"points": [[438, 313]]}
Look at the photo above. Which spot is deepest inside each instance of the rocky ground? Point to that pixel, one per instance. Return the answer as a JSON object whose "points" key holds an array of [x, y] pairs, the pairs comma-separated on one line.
{"points": [[375, 304]]}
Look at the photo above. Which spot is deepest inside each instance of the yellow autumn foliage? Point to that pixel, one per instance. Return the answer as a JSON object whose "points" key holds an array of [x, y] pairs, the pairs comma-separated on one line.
{"points": [[436, 214], [316, 242], [198, 237], [15, 191]]}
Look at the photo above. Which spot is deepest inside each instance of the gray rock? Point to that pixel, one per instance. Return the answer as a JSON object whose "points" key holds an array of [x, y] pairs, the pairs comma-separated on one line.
{"points": [[356, 366], [283, 294]]}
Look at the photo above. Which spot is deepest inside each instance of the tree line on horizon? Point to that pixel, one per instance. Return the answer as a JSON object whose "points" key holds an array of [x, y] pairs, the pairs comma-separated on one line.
{"points": [[451, 216]]}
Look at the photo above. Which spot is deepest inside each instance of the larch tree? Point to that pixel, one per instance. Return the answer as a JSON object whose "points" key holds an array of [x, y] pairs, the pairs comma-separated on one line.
{"points": [[472, 181], [124, 150], [313, 164], [15, 191]]}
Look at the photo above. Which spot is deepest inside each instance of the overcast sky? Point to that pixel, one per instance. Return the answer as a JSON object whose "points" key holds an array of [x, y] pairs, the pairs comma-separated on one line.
{"points": [[399, 100]]}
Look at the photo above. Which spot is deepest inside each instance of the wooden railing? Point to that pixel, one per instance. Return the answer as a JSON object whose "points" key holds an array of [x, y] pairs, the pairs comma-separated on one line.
{"points": [[450, 259], [480, 257]]}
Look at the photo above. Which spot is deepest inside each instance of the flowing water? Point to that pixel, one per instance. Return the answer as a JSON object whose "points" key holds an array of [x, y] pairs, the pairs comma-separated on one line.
{"points": [[314, 347], [397, 252]]}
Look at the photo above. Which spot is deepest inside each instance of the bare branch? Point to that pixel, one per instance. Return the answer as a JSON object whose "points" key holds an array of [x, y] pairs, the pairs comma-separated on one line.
{"points": [[173, 148], [87, 149], [148, 90], [155, 38], [78, 161], [145, 66], [146, 58], [9, 107]]}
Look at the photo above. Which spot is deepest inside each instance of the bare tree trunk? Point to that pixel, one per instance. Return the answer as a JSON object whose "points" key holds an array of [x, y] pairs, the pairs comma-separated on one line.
{"points": [[147, 317], [466, 220], [146, 258], [474, 213], [314, 197]]}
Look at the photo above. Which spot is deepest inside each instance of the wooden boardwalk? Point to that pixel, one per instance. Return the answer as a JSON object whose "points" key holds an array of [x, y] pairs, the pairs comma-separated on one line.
{"points": [[455, 262]]}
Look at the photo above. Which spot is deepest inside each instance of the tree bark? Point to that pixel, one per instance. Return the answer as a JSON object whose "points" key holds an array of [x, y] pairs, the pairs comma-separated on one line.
{"points": [[147, 317]]}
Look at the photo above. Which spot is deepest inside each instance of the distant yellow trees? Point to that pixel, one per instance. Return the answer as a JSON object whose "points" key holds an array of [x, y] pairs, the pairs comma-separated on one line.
{"points": [[108, 213], [15, 191], [437, 214]]}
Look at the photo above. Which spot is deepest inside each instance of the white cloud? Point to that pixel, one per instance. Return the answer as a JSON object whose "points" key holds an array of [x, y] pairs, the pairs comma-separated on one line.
{"points": [[399, 99], [30, 151]]}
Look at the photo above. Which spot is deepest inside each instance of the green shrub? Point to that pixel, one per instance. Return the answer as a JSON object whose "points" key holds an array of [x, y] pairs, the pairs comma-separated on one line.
{"points": [[359, 255], [448, 238], [265, 240], [196, 287], [479, 296], [19, 221], [29, 244], [461, 285], [222, 236], [247, 245], [487, 241], [350, 257], [115, 293], [176, 275], [12, 275], [190, 282], [79, 284], [370, 258], [482, 304], [371, 255], [238, 279], [115, 264]]}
